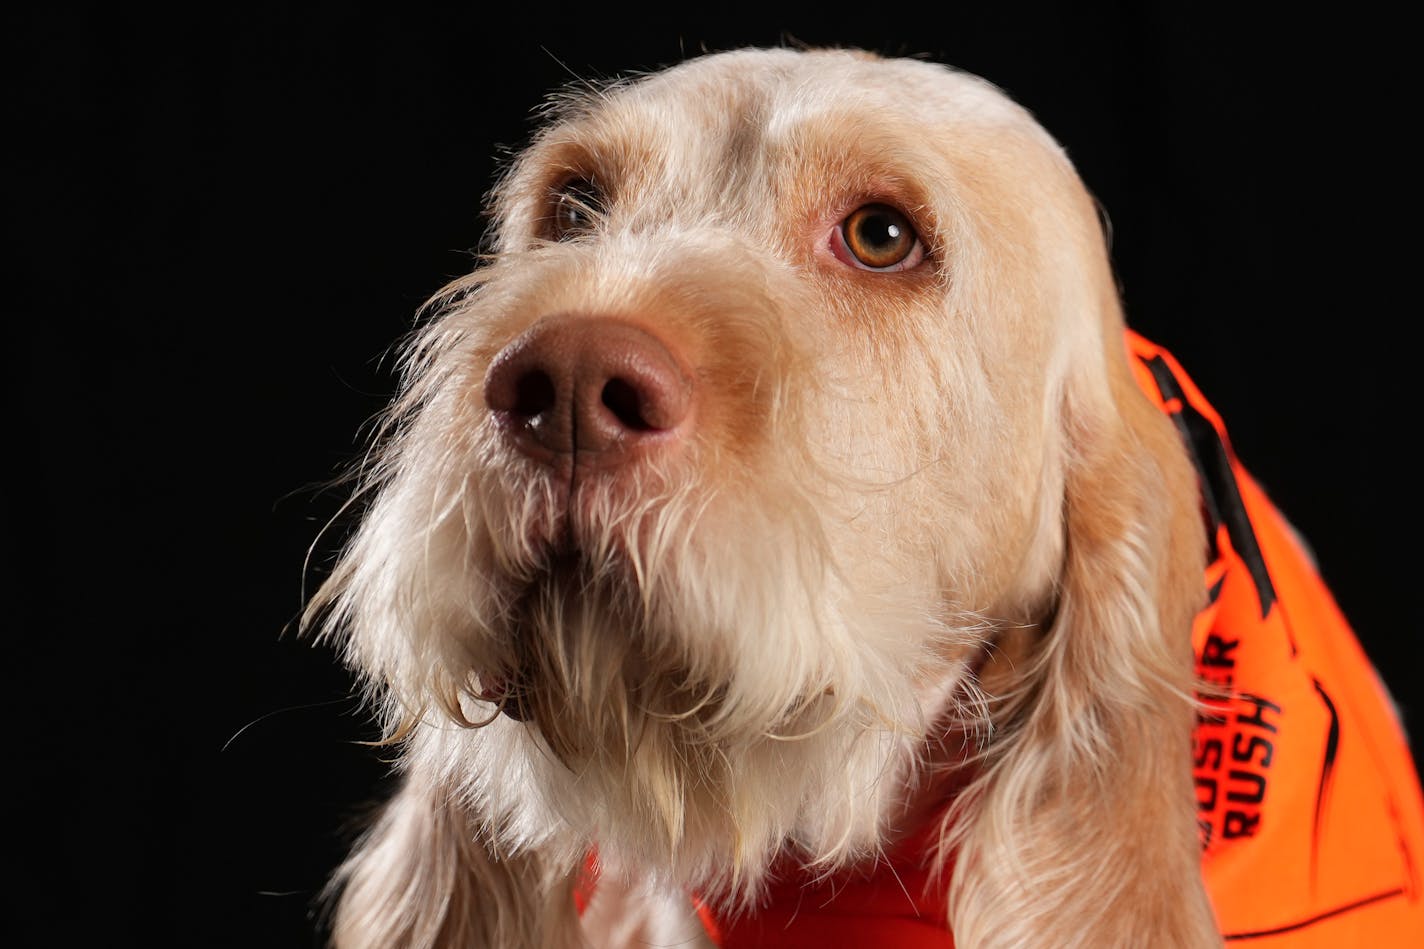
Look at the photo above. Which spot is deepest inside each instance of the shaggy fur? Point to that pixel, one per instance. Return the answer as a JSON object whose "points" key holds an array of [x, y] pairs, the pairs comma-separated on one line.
{"points": [[912, 529]]}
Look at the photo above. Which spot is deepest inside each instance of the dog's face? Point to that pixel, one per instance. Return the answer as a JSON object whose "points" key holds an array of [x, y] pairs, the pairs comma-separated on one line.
{"points": [[755, 436]]}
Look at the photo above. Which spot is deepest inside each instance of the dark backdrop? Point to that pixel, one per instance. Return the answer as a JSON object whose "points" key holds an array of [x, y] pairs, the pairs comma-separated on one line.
{"points": [[223, 220]]}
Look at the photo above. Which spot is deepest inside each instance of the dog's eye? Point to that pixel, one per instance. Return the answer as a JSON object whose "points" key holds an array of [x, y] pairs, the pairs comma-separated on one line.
{"points": [[877, 237], [578, 206]]}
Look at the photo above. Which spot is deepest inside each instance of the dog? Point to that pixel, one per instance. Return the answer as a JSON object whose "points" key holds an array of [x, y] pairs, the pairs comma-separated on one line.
{"points": [[774, 529]]}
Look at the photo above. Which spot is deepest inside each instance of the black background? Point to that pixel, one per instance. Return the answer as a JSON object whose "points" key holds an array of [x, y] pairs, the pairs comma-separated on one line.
{"points": [[223, 221]]}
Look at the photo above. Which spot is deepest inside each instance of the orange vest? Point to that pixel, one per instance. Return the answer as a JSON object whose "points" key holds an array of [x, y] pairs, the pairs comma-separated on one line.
{"points": [[1308, 801], [1307, 797]]}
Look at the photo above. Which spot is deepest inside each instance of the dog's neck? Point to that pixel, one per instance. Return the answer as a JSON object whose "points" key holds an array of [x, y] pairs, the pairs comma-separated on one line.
{"points": [[899, 899]]}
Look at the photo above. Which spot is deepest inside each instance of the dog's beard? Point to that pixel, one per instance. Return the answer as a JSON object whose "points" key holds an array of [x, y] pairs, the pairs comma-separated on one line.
{"points": [[596, 676], [633, 738], [663, 677], [630, 618], [710, 660]]}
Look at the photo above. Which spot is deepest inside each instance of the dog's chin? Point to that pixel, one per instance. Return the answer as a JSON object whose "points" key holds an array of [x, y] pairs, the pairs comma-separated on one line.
{"points": [[634, 740], [592, 669]]}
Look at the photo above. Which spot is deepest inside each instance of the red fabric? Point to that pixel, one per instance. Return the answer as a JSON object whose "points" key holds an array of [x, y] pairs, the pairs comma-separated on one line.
{"points": [[894, 904], [1308, 800]]}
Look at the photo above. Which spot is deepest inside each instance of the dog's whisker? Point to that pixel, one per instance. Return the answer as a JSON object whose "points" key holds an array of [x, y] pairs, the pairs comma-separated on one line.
{"points": [[690, 713], [829, 720], [467, 721]]}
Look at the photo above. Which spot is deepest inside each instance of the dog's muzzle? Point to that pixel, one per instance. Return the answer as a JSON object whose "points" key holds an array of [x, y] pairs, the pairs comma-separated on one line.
{"points": [[589, 400]]}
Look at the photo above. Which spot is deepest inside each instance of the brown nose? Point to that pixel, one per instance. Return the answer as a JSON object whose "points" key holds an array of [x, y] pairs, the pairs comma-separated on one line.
{"points": [[594, 389]]}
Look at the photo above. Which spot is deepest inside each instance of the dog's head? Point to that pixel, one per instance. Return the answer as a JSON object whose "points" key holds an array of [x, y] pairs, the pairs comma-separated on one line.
{"points": [[782, 453]]}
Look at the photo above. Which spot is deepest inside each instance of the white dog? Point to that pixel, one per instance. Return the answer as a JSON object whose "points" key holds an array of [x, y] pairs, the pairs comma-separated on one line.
{"points": [[776, 504]]}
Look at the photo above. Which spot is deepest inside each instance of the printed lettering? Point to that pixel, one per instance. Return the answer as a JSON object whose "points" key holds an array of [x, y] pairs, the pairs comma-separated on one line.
{"points": [[1255, 795], [1209, 753], [1243, 755], [1217, 652], [1258, 717], [1206, 794], [1239, 824]]}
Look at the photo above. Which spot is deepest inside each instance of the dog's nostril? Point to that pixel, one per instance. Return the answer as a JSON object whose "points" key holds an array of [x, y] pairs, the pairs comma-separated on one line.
{"points": [[622, 399], [534, 394]]}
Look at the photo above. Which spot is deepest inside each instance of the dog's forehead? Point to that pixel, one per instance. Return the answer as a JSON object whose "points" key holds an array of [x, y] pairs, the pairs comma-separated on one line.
{"points": [[705, 134], [782, 88]]}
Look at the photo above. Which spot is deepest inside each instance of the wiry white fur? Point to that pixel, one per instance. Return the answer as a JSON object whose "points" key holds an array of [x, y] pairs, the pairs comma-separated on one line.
{"points": [[772, 625], [762, 643]]}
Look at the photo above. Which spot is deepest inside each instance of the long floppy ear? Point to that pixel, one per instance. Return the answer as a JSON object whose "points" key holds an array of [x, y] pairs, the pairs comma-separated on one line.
{"points": [[421, 876], [1083, 829]]}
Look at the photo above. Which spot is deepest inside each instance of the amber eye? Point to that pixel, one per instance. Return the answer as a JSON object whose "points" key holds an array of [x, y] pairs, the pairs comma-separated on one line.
{"points": [[577, 209], [878, 237]]}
